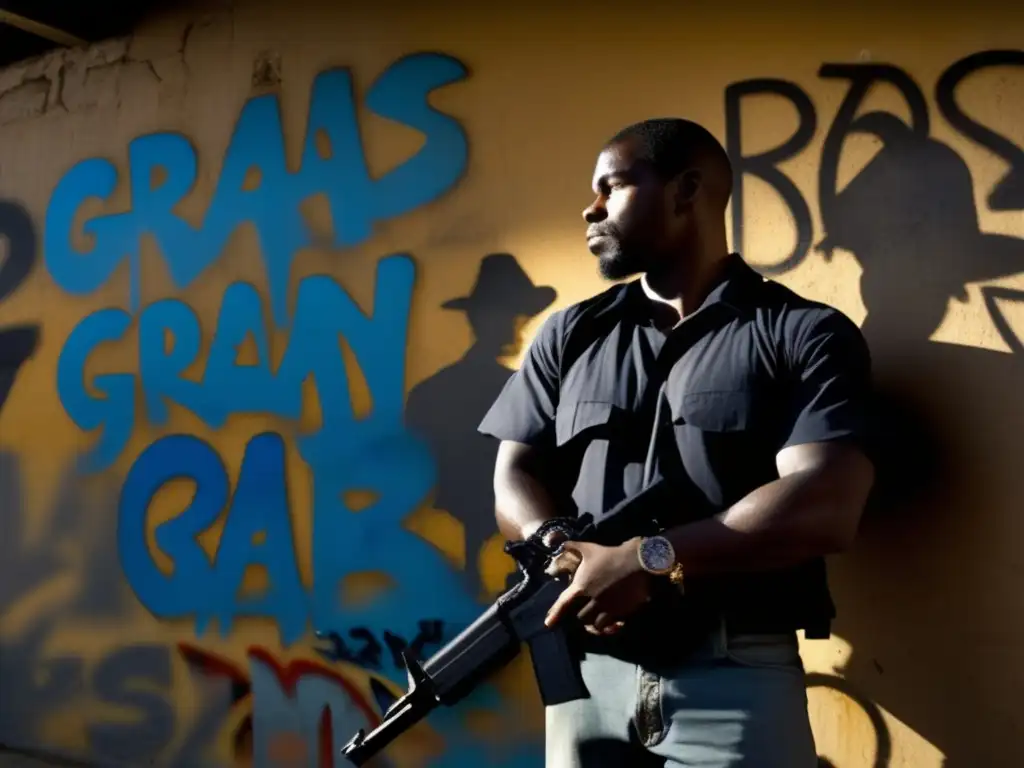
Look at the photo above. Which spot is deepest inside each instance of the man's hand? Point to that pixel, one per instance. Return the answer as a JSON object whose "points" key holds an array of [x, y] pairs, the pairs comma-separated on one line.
{"points": [[612, 579]]}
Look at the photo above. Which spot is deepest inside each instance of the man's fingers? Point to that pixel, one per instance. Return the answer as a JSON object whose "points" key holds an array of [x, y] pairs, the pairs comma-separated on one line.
{"points": [[604, 625], [566, 561], [576, 547], [559, 607], [599, 624], [587, 611]]}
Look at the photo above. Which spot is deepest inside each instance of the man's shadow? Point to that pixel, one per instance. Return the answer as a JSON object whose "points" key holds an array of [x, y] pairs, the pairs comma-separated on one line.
{"points": [[446, 408], [930, 598]]}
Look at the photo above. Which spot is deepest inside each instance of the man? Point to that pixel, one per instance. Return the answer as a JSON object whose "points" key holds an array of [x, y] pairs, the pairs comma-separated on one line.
{"points": [[751, 402]]}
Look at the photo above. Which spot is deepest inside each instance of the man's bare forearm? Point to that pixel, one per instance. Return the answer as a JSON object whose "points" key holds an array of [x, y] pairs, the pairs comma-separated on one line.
{"points": [[522, 502], [522, 505], [781, 524]]}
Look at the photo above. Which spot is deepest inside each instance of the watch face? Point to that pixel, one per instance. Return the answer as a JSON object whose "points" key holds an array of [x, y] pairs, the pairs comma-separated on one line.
{"points": [[657, 555]]}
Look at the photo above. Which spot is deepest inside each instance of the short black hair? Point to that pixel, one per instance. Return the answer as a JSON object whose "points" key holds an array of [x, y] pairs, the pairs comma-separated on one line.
{"points": [[672, 144]]}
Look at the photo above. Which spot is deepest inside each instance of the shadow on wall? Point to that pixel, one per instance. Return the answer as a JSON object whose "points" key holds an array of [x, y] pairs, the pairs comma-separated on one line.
{"points": [[930, 598], [883, 739], [38, 683], [360, 459], [446, 408], [76, 566], [71, 577]]}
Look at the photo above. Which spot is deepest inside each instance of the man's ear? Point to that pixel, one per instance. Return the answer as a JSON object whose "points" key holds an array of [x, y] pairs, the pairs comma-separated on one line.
{"points": [[687, 185]]}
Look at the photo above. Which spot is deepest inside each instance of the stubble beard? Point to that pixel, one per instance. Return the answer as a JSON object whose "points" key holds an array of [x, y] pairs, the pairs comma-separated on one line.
{"points": [[617, 265]]}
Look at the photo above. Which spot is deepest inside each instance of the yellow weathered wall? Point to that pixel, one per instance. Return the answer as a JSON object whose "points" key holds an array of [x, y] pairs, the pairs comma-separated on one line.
{"points": [[103, 659]]}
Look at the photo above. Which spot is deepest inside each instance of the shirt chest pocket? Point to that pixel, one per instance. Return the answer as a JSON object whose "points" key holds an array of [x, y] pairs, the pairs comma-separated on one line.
{"points": [[584, 418], [720, 437], [598, 444], [717, 411]]}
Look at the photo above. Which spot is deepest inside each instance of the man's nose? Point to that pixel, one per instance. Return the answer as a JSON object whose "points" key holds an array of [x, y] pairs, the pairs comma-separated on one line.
{"points": [[594, 212]]}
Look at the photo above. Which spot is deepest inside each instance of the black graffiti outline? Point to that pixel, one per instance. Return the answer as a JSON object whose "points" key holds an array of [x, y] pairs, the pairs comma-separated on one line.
{"points": [[430, 632], [764, 166], [990, 294], [1008, 192], [17, 226], [863, 78], [17, 342]]}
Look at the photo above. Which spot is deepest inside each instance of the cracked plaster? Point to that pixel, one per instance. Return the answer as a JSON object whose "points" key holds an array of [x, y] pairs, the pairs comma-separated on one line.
{"points": [[74, 79]]}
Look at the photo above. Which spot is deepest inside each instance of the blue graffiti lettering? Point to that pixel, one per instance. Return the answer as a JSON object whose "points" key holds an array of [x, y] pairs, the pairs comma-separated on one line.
{"points": [[324, 312], [272, 205], [168, 321], [172, 457], [397, 471], [368, 454], [115, 410], [226, 387], [257, 532], [252, 387], [169, 342], [372, 454], [395, 468]]}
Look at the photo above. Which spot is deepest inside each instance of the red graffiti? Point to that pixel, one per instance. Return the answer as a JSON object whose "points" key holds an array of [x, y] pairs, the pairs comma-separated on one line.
{"points": [[288, 676]]}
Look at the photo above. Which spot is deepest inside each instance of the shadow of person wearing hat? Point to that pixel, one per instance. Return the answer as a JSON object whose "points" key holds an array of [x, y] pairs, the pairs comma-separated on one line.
{"points": [[446, 408], [931, 593]]}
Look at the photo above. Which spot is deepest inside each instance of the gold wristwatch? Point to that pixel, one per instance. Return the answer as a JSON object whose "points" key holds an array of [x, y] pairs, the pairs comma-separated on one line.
{"points": [[658, 557]]}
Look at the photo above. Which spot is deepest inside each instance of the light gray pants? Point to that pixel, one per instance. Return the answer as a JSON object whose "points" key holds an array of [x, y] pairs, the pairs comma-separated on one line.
{"points": [[738, 701]]}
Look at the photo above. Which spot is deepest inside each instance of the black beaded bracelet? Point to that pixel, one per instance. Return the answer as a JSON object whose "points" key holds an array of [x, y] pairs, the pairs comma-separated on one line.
{"points": [[563, 525]]}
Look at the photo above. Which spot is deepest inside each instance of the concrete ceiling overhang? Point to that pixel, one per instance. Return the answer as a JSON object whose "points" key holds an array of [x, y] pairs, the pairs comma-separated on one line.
{"points": [[32, 27]]}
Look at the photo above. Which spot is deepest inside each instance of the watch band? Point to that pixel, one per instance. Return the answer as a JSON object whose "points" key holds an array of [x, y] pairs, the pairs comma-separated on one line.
{"points": [[676, 576]]}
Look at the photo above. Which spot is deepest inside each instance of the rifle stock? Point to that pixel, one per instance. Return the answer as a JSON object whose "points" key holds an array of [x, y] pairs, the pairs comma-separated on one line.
{"points": [[496, 637]]}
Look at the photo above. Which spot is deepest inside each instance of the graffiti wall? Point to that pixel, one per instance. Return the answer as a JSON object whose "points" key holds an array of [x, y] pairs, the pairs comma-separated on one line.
{"points": [[266, 267]]}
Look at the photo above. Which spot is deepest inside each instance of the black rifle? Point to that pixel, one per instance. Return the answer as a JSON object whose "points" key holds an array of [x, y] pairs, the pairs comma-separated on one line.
{"points": [[517, 616]]}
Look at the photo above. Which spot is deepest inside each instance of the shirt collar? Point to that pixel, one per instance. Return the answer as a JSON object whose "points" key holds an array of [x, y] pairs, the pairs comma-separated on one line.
{"points": [[736, 290], [737, 287]]}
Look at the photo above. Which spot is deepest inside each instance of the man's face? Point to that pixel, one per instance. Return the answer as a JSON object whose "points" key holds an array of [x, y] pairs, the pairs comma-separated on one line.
{"points": [[629, 222]]}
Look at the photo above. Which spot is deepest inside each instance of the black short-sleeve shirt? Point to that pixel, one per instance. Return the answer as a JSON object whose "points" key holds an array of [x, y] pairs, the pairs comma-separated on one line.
{"points": [[755, 369]]}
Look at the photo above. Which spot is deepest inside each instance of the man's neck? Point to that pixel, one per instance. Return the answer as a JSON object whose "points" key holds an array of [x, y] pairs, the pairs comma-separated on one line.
{"points": [[686, 287]]}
